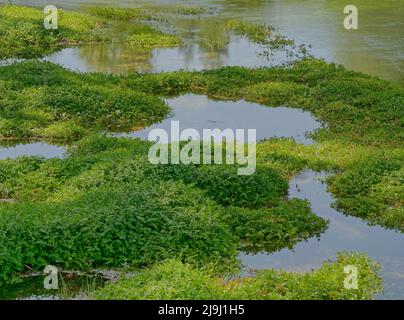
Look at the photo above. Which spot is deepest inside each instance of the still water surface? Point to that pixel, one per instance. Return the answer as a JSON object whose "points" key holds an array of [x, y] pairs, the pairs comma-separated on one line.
{"points": [[345, 233], [199, 112], [377, 47]]}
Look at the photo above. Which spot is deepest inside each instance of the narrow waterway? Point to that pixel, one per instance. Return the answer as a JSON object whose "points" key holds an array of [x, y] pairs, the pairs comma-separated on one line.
{"points": [[345, 233], [41, 149]]}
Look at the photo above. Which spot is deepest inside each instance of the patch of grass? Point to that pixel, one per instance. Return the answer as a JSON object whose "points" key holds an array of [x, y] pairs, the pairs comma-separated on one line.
{"points": [[144, 12], [186, 10], [22, 33], [58, 106], [175, 9], [115, 13], [171, 280], [174, 280], [64, 131], [134, 224], [255, 32], [275, 93], [268, 37], [373, 189]]}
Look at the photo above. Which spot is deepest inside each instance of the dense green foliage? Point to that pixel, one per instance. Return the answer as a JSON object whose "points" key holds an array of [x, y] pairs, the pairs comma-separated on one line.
{"points": [[145, 12], [174, 280], [22, 31], [113, 226], [46, 102], [106, 205], [374, 189], [152, 40]]}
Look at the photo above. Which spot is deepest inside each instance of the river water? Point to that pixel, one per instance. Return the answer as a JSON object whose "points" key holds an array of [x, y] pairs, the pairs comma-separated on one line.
{"points": [[376, 48], [199, 112], [345, 233]]}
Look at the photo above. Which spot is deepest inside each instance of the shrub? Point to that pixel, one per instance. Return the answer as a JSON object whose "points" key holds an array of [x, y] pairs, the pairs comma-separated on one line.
{"points": [[269, 230], [107, 191], [110, 227], [153, 40]]}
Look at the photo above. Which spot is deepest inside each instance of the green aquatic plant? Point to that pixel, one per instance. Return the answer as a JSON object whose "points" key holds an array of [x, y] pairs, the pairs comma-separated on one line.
{"points": [[56, 107], [268, 37], [174, 280], [107, 195], [254, 32], [134, 224], [144, 12], [175, 9], [373, 189], [116, 13], [22, 33]]}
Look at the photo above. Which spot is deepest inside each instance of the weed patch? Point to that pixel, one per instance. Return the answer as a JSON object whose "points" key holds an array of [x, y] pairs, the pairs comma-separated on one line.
{"points": [[174, 280]]}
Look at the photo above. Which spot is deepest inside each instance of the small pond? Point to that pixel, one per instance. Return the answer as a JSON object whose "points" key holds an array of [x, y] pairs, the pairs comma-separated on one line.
{"points": [[200, 112]]}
